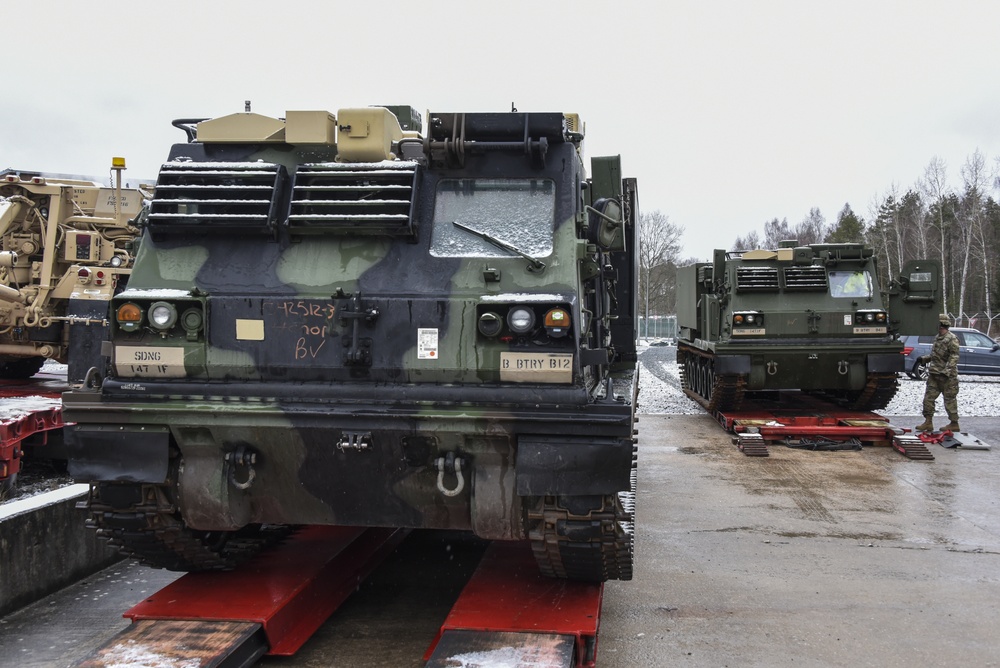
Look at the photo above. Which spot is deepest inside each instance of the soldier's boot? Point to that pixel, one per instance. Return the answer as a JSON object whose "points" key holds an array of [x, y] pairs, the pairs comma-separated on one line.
{"points": [[927, 425], [953, 425]]}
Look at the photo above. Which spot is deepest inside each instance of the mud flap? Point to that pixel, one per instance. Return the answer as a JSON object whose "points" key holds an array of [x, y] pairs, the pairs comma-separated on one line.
{"points": [[117, 454], [548, 465], [85, 339], [496, 511]]}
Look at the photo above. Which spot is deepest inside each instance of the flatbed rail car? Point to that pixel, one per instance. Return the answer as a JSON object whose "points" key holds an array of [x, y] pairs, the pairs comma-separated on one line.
{"points": [[30, 415], [229, 619]]}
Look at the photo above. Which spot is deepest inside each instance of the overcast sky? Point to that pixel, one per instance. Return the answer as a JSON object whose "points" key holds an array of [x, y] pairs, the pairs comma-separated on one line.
{"points": [[728, 113]]}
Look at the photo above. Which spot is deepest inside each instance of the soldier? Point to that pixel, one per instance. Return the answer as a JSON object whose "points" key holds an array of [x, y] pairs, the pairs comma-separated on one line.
{"points": [[853, 284], [943, 377]]}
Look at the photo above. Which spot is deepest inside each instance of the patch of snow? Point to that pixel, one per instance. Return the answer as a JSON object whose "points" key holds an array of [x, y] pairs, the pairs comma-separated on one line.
{"points": [[158, 293], [31, 503], [524, 297], [15, 408]]}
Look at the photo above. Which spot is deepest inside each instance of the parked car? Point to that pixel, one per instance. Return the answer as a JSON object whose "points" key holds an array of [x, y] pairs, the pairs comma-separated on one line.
{"points": [[661, 342], [978, 353]]}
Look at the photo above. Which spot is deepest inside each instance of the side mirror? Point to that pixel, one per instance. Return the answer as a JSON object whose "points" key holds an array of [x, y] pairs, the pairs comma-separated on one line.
{"points": [[996, 347], [606, 225]]}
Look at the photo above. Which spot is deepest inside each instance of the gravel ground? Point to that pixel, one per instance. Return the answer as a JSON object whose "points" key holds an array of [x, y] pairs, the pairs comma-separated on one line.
{"points": [[660, 390]]}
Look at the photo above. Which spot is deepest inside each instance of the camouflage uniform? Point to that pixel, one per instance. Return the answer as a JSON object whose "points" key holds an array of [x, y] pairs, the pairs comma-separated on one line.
{"points": [[942, 379]]}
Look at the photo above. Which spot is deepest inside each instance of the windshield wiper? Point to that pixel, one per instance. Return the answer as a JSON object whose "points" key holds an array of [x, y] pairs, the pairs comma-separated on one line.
{"points": [[536, 264]]}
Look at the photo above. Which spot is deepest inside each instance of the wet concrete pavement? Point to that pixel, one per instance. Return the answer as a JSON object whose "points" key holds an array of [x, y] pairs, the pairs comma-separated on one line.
{"points": [[802, 558], [808, 558]]}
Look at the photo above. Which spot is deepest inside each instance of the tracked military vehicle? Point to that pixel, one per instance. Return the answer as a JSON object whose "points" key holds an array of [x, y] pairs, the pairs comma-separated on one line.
{"points": [[66, 245], [811, 318], [341, 319]]}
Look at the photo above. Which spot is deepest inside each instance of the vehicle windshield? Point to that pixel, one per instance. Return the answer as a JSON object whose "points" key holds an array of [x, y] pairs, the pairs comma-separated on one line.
{"points": [[517, 212], [850, 284]]}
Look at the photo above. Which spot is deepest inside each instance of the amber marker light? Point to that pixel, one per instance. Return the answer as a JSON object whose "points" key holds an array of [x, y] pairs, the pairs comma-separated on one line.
{"points": [[129, 317], [557, 317], [557, 322]]}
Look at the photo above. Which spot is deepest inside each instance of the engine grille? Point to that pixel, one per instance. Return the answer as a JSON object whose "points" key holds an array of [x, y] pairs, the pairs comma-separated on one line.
{"points": [[354, 199], [756, 278], [221, 197], [806, 278]]}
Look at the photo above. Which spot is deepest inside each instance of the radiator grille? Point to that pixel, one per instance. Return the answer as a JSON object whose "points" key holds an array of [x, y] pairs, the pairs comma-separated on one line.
{"points": [[216, 197], [756, 278], [352, 199], [805, 278]]}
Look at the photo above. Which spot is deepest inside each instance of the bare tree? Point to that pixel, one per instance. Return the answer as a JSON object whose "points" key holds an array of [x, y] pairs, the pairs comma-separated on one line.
{"points": [[812, 229], [970, 219], [920, 220], [884, 211], [749, 242], [936, 182], [776, 231], [659, 248]]}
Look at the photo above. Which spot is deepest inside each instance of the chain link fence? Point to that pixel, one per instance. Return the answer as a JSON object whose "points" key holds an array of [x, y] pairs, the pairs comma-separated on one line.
{"points": [[658, 327]]}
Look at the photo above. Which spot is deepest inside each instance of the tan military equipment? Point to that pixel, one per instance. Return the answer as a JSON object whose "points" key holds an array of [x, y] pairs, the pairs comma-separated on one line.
{"points": [[66, 246]]}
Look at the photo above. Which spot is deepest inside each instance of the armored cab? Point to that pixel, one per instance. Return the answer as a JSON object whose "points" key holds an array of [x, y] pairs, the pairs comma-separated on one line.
{"points": [[342, 319], [811, 318], [66, 246]]}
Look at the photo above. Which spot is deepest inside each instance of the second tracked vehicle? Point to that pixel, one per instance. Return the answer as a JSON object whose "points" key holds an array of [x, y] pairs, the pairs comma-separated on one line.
{"points": [[813, 318]]}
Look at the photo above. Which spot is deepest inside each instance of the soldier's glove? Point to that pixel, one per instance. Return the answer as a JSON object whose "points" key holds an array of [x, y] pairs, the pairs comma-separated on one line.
{"points": [[922, 359]]}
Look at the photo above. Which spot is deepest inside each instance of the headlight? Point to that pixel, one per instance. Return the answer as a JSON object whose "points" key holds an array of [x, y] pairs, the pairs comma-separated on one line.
{"points": [[748, 319], [520, 320], [162, 315]]}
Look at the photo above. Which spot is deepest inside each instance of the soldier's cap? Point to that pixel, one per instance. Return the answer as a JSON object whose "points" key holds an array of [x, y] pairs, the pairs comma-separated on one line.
{"points": [[943, 320]]}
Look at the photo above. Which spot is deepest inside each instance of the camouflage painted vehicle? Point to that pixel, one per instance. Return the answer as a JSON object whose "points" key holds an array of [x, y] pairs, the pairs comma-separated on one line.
{"points": [[66, 245], [810, 318], [339, 320]]}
